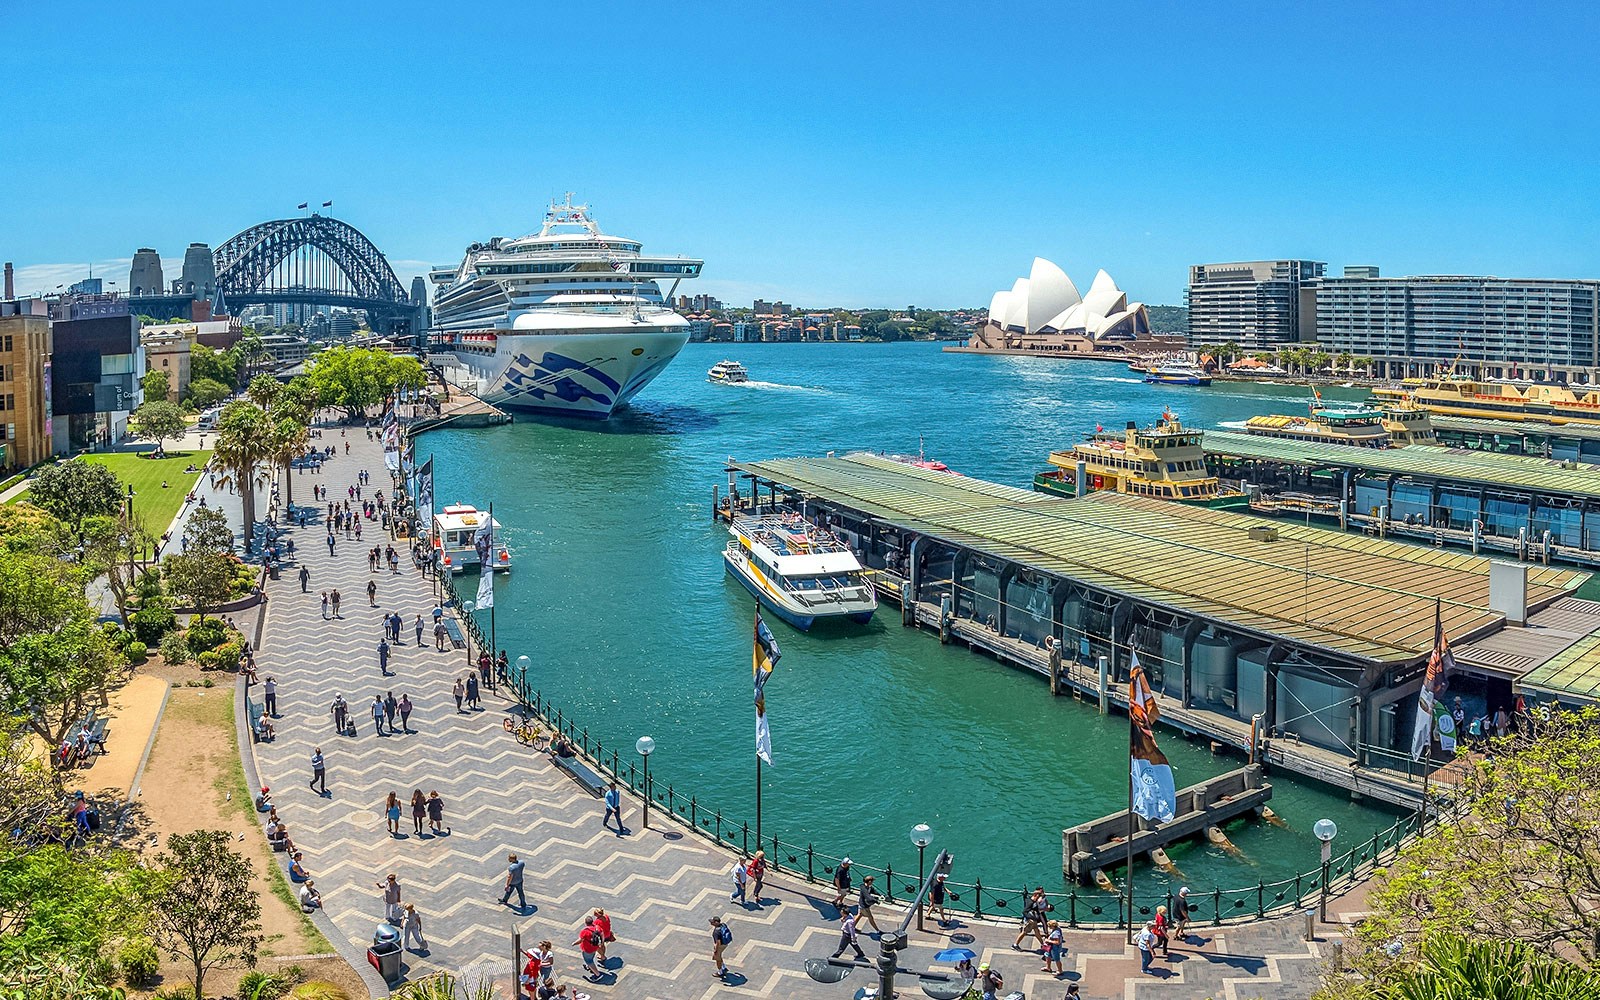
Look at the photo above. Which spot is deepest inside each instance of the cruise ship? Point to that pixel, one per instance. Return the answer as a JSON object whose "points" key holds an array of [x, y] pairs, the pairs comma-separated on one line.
{"points": [[565, 322]]}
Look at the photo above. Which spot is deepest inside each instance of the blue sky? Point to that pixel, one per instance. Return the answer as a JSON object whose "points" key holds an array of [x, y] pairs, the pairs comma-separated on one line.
{"points": [[844, 154]]}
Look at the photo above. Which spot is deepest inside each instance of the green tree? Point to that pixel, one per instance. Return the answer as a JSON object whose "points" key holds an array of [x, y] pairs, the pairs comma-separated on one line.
{"points": [[30, 800], [207, 531], [207, 912], [206, 393], [264, 391], [52, 678], [111, 546], [244, 444], [68, 904], [75, 490], [160, 421], [355, 378], [201, 578], [206, 363], [157, 384]]}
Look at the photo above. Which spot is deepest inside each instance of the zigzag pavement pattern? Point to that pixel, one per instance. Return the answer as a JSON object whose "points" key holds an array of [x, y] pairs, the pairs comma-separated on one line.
{"points": [[660, 885]]}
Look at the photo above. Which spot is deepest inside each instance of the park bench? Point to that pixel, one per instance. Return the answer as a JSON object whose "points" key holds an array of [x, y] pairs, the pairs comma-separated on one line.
{"points": [[98, 733], [452, 630], [255, 710], [585, 775]]}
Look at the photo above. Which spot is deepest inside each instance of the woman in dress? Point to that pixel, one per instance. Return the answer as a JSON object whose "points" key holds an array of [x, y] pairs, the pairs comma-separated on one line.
{"points": [[391, 809]]}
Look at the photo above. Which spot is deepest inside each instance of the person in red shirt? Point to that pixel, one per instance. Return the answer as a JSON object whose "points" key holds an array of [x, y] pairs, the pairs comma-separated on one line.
{"points": [[757, 871], [602, 924], [588, 943]]}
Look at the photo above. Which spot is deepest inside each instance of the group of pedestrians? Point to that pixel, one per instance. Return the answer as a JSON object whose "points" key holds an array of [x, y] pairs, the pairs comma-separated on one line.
{"points": [[1158, 933], [429, 808], [402, 914]]}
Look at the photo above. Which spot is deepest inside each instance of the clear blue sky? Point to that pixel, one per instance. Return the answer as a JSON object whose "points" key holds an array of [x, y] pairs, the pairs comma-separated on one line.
{"points": [[854, 154]]}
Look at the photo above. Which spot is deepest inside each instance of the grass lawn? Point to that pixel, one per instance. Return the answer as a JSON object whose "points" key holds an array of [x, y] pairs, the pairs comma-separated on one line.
{"points": [[158, 506]]}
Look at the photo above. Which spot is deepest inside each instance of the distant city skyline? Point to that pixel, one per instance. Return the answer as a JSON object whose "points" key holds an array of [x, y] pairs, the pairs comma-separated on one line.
{"points": [[882, 156]]}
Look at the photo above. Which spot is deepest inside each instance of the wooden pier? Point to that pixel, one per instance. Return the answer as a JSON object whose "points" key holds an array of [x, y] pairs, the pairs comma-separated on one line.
{"points": [[1100, 844]]}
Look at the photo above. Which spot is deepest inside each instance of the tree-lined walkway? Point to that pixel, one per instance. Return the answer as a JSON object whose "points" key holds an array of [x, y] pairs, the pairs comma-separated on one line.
{"points": [[659, 886]]}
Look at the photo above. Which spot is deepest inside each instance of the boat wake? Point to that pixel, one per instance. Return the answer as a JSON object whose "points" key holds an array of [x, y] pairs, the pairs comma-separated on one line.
{"points": [[1234, 425], [784, 386], [1115, 378]]}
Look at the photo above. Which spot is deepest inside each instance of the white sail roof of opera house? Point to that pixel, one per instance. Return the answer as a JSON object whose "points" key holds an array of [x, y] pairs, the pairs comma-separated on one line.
{"points": [[1047, 301]]}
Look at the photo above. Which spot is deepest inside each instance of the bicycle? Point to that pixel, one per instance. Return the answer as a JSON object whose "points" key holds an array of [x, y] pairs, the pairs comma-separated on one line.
{"points": [[526, 732]]}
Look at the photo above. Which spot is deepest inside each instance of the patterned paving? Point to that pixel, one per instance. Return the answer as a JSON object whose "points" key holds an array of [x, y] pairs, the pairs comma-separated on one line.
{"points": [[660, 886]]}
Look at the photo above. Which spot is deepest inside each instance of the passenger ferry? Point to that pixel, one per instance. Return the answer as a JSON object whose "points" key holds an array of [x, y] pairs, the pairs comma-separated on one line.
{"points": [[567, 321], [1459, 396], [455, 529], [1407, 423], [1177, 374], [798, 571], [1165, 460], [728, 372], [1358, 426]]}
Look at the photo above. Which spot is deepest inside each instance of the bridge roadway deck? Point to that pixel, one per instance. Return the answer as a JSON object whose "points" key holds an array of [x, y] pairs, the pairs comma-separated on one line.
{"points": [[1291, 755], [660, 886]]}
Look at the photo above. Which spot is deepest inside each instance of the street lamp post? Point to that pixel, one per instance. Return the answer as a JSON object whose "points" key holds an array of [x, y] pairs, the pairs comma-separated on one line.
{"points": [[645, 745], [523, 663], [922, 836], [1325, 830], [467, 608]]}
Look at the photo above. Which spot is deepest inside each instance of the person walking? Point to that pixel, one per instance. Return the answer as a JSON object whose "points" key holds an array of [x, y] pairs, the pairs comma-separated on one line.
{"points": [[472, 690], [269, 690], [460, 693], [990, 982], [847, 935], [391, 899], [865, 901], [1054, 945], [613, 801], [390, 707], [1145, 941], [589, 947], [377, 712], [435, 813], [391, 812], [405, 713], [721, 937], [438, 635], [841, 884], [602, 926], [341, 714], [514, 870], [319, 772], [758, 874], [936, 895], [305, 579], [411, 926], [419, 631], [1033, 918], [740, 879], [419, 811], [372, 593], [1180, 913], [324, 605], [372, 559], [383, 656], [335, 597], [331, 540]]}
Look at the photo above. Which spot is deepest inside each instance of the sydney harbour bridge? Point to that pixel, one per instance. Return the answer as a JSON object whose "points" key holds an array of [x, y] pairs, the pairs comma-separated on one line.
{"points": [[314, 261]]}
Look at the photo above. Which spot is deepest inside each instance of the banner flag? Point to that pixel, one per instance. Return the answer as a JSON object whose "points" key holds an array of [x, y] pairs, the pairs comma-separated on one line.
{"points": [[1155, 797], [483, 541], [1431, 710], [765, 657], [425, 493]]}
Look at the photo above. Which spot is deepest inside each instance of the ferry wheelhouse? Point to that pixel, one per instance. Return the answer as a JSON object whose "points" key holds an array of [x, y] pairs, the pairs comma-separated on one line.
{"points": [[1165, 460], [797, 571], [455, 530]]}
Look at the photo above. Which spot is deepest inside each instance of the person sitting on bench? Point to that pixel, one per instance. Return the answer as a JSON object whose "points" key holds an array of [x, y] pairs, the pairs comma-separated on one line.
{"points": [[264, 730], [562, 747], [297, 871], [310, 898], [264, 800]]}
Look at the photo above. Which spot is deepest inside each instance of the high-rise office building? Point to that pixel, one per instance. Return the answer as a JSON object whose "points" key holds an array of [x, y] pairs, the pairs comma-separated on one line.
{"points": [[144, 277], [1257, 304], [1546, 329]]}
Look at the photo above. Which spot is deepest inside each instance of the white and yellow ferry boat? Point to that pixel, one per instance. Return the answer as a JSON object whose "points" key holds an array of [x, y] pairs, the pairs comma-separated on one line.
{"points": [[1165, 460], [798, 571]]}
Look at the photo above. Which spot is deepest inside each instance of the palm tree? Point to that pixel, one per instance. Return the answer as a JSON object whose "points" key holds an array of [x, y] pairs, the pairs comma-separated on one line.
{"points": [[289, 436], [244, 441]]}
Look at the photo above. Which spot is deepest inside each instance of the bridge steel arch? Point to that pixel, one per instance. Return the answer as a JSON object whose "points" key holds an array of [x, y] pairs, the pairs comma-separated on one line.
{"points": [[245, 265]]}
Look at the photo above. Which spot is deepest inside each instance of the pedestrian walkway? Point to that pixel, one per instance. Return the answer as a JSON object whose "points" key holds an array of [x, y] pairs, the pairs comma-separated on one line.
{"points": [[660, 886]]}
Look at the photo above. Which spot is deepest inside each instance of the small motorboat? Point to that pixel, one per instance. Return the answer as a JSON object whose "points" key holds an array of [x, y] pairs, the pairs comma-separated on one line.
{"points": [[729, 372]]}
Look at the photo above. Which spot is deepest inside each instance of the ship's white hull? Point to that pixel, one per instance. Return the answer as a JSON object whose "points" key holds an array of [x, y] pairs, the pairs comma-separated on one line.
{"points": [[587, 375]]}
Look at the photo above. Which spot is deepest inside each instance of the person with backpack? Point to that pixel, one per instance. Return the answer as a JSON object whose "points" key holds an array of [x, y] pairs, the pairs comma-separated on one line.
{"points": [[721, 937], [588, 945], [990, 982]]}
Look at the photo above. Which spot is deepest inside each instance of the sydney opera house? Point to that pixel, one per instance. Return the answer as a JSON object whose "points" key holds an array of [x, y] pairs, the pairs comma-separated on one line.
{"points": [[1044, 313]]}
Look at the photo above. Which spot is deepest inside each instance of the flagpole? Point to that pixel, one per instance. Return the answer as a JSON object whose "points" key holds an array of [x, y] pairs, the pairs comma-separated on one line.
{"points": [[1427, 756], [494, 650], [758, 801], [1128, 875]]}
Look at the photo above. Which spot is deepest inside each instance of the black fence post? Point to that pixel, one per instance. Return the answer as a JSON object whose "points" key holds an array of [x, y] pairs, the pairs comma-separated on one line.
{"points": [[746, 829], [810, 855], [586, 741], [1216, 907], [888, 882], [1261, 899], [719, 826], [1072, 908], [694, 815], [977, 898]]}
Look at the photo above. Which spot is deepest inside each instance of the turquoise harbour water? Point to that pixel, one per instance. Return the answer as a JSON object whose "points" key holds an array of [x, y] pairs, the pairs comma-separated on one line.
{"points": [[620, 600]]}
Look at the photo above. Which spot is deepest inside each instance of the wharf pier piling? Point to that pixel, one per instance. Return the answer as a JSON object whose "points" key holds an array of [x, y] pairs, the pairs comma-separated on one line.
{"points": [[1091, 848]]}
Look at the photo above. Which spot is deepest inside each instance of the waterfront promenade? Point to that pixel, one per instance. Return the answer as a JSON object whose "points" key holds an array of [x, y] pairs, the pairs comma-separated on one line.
{"points": [[659, 886]]}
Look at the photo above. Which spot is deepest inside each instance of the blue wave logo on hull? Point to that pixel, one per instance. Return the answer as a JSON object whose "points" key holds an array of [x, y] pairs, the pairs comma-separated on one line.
{"points": [[551, 379]]}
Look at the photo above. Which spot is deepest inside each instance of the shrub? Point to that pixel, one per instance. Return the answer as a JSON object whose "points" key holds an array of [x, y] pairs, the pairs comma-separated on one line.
{"points": [[319, 989], [139, 961], [153, 621], [174, 648], [208, 682], [257, 985], [205, 633], [292, 974], [208, 660], [137, 651], [228, 654], [181, 992], [148, 585]]}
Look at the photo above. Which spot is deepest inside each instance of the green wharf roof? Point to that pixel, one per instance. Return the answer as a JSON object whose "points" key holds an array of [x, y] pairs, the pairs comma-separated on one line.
{"points": [[1516, 473], [1572, 674], [1353, 596], [1514, 428]]}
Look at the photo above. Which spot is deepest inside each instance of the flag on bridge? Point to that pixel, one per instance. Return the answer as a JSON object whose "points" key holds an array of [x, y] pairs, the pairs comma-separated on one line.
{"points": [[764, 659], [483, 541], [1154, 795], [304, 204], [327, 204]]}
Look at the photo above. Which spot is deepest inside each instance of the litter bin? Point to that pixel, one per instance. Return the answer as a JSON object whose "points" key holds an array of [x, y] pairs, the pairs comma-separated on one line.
{"points": [[386, 933], [272, 570], [386, 959]]}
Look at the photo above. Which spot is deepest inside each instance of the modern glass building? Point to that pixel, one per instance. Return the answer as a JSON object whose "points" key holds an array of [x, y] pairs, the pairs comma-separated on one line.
{"points": [[1256, 304], [1533, 328]]}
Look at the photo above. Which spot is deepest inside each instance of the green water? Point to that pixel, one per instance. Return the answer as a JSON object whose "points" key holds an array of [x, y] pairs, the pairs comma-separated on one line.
{"points": [[620, 599]]}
